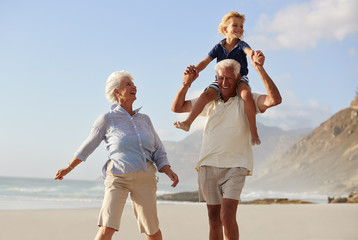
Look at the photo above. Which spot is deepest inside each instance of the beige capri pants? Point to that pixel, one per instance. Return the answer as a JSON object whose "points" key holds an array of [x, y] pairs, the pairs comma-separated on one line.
{"points": [[142, 187]]}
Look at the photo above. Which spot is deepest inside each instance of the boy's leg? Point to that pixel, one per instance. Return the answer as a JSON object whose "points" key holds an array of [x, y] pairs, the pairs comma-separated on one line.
{"points": [[250, 110], [209, 95]]}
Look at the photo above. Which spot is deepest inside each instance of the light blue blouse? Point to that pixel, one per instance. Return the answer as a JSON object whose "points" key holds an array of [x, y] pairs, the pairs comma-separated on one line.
{"points": [[131, 141]]}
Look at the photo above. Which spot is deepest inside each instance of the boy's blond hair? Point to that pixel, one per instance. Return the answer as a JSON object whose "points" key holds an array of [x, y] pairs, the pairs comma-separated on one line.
{"points": [[226, 18]]}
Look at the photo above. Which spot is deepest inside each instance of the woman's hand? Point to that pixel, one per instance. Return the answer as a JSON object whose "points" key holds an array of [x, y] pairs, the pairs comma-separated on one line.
{"points": [[62, 172], [172, 175]]}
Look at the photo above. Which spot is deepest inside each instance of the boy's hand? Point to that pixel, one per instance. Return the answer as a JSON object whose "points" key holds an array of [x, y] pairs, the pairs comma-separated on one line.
{"points": [[257, 58], [190, 69]]}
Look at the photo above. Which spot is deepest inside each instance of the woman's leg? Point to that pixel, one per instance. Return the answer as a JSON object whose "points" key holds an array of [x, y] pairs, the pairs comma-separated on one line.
{"points": [[155, 236], [115, 197], [105, 233], [144, 202]]}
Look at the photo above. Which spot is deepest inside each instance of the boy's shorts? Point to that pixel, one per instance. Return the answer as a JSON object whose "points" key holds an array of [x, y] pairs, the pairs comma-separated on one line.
{"points": [[218, 183], [142, 187]]}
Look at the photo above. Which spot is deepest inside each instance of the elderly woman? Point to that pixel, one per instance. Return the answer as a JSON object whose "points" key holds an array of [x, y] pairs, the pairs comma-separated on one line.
{"points": [[133, 149]]}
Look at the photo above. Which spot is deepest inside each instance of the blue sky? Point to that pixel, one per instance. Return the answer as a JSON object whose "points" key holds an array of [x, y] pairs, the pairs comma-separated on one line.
{"points": [[56, 55]]}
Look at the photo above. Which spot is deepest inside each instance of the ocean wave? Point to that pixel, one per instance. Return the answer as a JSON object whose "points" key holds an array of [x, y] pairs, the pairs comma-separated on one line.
{"points": [[316, 197], [31, 190]]}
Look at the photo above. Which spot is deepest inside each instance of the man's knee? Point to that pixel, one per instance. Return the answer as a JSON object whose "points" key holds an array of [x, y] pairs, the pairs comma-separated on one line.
{"points": [[214, 215], [228, 211], [227, 217]]}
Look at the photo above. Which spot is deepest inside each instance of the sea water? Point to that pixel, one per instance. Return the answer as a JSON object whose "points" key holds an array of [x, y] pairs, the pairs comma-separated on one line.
{"points": [[33, 193], [36, 193]]}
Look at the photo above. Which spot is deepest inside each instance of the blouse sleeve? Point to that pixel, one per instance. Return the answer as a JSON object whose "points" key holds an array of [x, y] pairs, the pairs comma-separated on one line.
{"points": [[159, 155], [95, 137]]}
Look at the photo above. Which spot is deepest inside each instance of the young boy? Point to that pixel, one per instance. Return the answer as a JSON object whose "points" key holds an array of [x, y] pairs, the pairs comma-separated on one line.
{"points": [[233, 48]]}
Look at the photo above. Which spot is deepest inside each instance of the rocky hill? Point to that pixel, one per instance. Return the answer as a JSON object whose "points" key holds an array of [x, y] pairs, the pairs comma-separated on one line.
{"points": [[326, 160]]}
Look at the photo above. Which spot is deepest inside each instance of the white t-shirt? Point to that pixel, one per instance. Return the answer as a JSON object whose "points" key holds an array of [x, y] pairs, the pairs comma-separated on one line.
{"points": [[226, 138]]}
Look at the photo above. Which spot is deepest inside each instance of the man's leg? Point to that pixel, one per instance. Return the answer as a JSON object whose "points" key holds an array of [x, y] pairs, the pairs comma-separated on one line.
{"points": [[216, 227], [228, 218]]}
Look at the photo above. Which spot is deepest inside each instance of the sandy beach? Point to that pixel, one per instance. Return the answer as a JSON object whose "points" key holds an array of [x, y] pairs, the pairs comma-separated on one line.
{"points": [[189, 221]]}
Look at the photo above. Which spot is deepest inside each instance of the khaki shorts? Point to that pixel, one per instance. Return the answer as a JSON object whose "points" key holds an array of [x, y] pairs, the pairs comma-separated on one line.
{"points": [[218, 183], [142, 187]]}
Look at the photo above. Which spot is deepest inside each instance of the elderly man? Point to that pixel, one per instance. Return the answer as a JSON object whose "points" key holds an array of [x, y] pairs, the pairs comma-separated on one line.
{"points": [[226, 153]]}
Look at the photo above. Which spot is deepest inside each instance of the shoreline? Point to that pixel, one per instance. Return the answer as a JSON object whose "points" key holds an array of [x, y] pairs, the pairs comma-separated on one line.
{"points": [[192, 196], [181, 198], [49, 204]]}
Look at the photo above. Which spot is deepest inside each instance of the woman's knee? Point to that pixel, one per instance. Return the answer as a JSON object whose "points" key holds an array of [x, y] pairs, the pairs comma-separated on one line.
{"points": [[155, 236], [105, 233]]}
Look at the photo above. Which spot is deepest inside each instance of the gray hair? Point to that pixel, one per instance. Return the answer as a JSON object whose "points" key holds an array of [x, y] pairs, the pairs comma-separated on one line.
{"points": [[113, 82], [227, 63]]}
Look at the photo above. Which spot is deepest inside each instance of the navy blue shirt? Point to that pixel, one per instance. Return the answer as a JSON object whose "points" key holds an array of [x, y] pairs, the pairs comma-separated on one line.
{"points": [[237, 53]]}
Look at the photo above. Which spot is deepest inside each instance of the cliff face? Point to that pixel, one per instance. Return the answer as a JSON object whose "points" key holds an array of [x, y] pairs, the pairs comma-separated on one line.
{"points": [[326, 160], [354, 103]]}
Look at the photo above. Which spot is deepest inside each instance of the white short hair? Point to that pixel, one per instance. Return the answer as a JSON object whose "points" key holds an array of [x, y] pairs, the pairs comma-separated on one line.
{"points": [[228, 63], [113, 82]]}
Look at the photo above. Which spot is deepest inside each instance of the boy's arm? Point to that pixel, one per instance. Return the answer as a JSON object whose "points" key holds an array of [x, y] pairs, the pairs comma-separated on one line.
{"points": [[202, 65], [259, 58], [248, 51]]}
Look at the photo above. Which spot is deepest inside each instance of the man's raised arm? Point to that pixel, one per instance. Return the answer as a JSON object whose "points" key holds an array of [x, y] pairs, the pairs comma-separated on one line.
{"points": [[273, 96], [181, 105]]}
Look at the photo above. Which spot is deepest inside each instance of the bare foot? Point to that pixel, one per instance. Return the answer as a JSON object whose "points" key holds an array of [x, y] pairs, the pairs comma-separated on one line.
{"points": [[255, 139], [182, 125]]}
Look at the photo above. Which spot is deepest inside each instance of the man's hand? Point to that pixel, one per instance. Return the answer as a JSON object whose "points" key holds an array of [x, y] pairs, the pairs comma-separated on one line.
{"points": [[190, 74]]}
